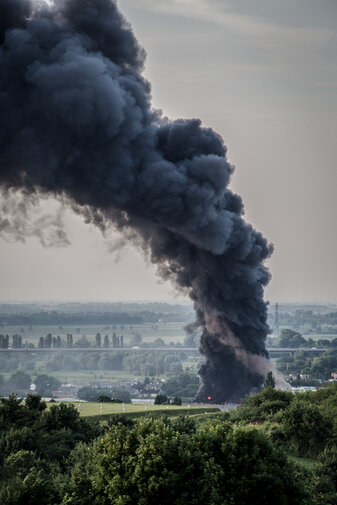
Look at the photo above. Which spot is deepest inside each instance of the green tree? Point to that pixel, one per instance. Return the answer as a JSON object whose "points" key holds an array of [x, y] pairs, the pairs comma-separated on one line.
{"points": [[305, 428], [48, 341], [104, 399], [154, 462], [19, 381], [290, 338], [34, 403], [270, 381], [98, 340], [160, 399], [28, 480], [82, 342], [11, 411], [45, 384], [159, 342]]}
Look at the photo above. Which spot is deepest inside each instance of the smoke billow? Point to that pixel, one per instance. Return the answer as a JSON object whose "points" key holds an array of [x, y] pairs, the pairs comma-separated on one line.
{"points": [[76, 123], [21, 217]]}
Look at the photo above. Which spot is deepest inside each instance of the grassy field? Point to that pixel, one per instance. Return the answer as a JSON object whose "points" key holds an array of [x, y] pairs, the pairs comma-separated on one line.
{"points": [[89, 409], [329, 336], [169, 332], [36, 364]]}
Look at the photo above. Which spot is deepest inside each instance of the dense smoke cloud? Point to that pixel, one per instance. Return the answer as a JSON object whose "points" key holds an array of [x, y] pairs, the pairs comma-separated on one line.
{"points": [[76, 123]]}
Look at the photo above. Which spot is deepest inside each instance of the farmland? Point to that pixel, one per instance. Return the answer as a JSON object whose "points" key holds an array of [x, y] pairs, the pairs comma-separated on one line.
{"points": [[89, 409], [169, 332]]}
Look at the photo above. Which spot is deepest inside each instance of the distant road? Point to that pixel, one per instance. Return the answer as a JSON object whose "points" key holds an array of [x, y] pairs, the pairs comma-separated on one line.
{"points": [[271, 350]]}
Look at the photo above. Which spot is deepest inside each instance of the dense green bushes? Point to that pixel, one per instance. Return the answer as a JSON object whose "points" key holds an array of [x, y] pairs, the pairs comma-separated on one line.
{"points": [[53, 457], [153, 462]]}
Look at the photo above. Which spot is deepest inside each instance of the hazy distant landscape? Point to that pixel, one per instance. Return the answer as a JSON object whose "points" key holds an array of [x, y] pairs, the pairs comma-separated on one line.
{"points": [[143, 325]]}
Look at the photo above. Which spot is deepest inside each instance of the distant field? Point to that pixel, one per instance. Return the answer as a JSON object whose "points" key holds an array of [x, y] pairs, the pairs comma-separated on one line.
{"points": [[329, 336], [90, 409], [169, 332], [191, 364]]}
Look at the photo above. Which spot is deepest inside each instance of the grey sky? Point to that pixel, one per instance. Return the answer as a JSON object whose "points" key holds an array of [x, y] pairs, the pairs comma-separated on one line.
{"points": [[262, 73]]}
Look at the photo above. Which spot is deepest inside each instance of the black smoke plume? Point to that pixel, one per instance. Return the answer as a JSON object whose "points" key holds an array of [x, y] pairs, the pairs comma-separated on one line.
{"points": [[76, 123]]}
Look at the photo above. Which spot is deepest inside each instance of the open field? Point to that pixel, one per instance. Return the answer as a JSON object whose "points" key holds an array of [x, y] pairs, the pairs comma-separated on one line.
{"points": [[78, 372], [169, 332], [319, 336], [90, 409], [80, 376]]}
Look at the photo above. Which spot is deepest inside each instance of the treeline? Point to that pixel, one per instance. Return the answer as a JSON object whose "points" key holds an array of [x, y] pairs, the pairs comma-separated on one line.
{"points": [[315, 367], [82, 318], [183, 385], [36, 447], [113, 341], [146, 363], [16, 341], [94, 394], [315, 322], [319, 367], [50, 342], [149, 363], [291, 338], [20, 381], [58, 342], [278, 448], [52, 456], [76, 307], [304, 424]]}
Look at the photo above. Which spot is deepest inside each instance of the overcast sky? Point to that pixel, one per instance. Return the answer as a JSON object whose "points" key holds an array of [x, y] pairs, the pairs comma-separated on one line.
{"points": [[263, 73]]}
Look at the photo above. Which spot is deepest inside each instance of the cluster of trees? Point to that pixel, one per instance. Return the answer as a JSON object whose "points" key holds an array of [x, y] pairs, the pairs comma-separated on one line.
{"points": [[117, 341], [35, 446], [260, 451], [85, 361], [160, 308], [136, 339], [10, 362], [165, 400], [50, 342], [52, 456], [184, 385], [16, 341], [317, 367], [20, 382], [291, 338], [147, 363], [57, 342], [4, 341], [152, 363], [305, 424], [313, 322], [93, 394], [53, 317]]}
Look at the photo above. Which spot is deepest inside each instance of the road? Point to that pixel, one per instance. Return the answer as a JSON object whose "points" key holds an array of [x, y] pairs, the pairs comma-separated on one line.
{"points": [[271, 350]]}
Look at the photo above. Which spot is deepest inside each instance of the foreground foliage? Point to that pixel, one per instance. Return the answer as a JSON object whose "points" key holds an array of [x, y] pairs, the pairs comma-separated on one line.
{"points": [[55, 457]]}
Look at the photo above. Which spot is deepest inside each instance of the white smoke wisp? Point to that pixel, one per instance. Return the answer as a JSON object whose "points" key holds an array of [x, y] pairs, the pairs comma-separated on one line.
{"points": [[22, 217]]}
